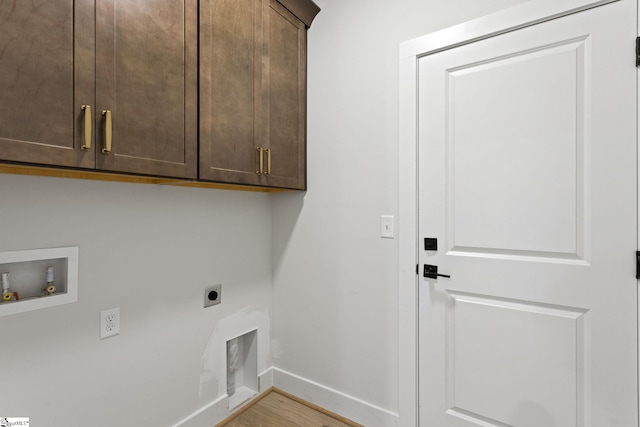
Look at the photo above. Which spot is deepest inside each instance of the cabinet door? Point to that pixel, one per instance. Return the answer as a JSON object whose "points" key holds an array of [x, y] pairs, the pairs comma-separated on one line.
{"points": [[44, 46], [286, 106], [230, 90], [146, 77]]}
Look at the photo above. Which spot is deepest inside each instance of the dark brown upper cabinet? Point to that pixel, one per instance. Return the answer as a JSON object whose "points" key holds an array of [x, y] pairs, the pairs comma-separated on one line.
{"points": [[46, 76], [106, 85], [113, 86], [146, 79], [230, 89], [253, 91]]}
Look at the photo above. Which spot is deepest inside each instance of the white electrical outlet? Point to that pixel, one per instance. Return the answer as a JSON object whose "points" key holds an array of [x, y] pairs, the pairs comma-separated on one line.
{"points": [[109, 323]]}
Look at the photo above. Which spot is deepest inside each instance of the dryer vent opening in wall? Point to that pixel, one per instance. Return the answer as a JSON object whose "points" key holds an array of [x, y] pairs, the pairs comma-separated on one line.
{"points": [[242, 368]]}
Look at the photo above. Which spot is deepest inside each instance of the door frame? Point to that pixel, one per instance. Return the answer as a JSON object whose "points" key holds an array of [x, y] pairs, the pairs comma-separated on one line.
{"points": [[517, 17]]}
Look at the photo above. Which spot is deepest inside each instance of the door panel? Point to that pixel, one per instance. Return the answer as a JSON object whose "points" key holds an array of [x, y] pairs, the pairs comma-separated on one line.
{"points": [[231, 90], [488, 334], [39, 114], [523, 195], [527, 178], [286, 79], [146, 76]]}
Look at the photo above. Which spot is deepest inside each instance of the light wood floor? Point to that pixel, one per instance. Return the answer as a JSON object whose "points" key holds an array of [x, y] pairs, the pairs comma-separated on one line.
{"points": [[278, 409]]}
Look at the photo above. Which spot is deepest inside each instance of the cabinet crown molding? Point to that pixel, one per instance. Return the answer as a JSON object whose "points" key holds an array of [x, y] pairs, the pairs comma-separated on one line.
{"points": [[304, 10]]}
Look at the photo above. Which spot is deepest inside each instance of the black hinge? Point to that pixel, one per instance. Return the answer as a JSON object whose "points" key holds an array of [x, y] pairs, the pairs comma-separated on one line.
{"points": [[637, 51], [637, 265], [417, 268]]}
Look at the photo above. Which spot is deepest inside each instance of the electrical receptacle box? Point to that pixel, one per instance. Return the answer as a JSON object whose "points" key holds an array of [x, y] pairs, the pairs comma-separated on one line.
{"points": [[212, 295]]}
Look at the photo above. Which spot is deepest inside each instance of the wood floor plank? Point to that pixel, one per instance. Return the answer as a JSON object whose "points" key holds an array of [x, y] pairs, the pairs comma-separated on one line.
{"points": [[277, 410]]}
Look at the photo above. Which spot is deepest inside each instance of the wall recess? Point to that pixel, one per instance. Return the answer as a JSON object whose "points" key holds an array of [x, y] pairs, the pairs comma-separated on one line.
{"points": [[242, 368], [38, 278]]}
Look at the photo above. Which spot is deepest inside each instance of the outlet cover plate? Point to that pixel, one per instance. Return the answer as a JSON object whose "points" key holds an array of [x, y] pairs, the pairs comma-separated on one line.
{"points": [[212, 295], [109, 323]]}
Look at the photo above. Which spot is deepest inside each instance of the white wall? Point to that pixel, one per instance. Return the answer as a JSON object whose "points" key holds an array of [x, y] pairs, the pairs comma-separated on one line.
{"points": [[335, 316], [149, 250]]}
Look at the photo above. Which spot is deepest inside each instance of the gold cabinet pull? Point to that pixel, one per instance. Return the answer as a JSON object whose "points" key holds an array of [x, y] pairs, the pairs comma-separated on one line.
{"points": [[108, 131], [260, 150], [268, 151], [87, 127]]}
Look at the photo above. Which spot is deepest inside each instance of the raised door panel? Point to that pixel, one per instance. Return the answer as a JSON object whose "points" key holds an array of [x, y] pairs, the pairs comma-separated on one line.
{"points": [[41, 53], [286, 107], [146, 76], [230, 90]]}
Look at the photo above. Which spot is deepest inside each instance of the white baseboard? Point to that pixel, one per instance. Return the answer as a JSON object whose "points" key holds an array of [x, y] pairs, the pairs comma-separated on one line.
{"points": [[218, 410], [207, 415], [332, 400]]}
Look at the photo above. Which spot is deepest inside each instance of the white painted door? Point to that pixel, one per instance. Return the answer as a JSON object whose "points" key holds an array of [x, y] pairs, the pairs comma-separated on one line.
{"points": [[527, 178]]}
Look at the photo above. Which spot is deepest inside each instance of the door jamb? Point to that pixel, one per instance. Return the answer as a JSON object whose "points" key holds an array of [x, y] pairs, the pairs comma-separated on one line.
{"points": [[638, 187], [527, 14]]}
